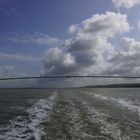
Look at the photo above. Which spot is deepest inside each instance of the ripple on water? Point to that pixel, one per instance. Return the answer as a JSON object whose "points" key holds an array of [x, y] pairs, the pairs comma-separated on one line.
{"points": [[29, 126]]}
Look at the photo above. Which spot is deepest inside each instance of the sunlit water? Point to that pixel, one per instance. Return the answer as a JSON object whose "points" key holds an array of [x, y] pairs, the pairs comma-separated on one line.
{"points": [[70, 114]]}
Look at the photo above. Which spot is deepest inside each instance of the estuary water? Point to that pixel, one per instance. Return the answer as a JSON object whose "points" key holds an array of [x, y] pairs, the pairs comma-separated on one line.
{"points": [[70, 114]]}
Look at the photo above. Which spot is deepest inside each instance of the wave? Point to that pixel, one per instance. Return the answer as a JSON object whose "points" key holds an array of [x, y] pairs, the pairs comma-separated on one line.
{"points": [[123, 102], [29, 126], [106, 128], [130, 105]]}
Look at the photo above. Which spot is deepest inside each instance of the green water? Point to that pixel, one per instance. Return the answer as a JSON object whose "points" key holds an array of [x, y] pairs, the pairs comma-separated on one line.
{"points": [[70, 114]]}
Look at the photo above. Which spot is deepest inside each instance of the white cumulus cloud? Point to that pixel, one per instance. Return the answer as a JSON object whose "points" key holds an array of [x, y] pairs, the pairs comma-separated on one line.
{"points": [[126, 61], [125, 3], [88, 49]]}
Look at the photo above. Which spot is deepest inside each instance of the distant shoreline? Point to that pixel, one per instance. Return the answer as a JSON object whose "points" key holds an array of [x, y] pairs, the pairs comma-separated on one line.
{"points": [[126, 85]]}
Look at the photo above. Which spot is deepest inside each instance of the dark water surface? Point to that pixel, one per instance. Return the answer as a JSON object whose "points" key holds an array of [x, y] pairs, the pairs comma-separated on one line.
{"points": [[70, 114]]}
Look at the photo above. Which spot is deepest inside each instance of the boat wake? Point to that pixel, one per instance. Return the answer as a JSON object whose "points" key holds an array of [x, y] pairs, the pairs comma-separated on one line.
{"points": [[30, 125], [107, 129], [123, 102], [130, 105]]}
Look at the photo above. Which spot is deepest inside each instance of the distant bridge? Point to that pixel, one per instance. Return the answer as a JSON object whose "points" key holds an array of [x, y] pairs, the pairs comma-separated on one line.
{"points": [[69, 76]]}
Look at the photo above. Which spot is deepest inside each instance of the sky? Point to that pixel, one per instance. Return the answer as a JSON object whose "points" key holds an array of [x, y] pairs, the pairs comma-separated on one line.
{"points": [[82, 37]]}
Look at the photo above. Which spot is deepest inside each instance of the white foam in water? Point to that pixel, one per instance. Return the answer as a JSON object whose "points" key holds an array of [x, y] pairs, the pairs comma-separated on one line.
{"points": [[106, 127], [130, 105], [111, 129], [24, 128]]}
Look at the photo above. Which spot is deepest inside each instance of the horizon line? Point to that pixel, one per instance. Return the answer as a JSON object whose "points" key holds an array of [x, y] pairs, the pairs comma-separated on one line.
{"points": [[68, 76]]}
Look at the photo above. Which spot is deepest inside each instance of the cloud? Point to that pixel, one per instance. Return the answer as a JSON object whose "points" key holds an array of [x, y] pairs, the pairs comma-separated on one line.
{"points": [[88, 50], [43, 39], [10, 11], [9, 71], [18, 57], [36, 38], [6, 71], [138, 24], [106, 25], [126, 61], [125, 3]]}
